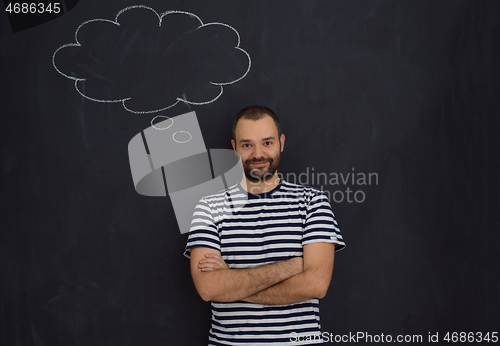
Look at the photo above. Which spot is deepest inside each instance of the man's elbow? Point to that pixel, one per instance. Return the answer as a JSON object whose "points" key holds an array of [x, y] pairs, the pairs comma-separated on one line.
{"points": [[205, 296], [209, 290], [204, 292], [321, 288], [321, 293], [203, 287], [214, 296]]}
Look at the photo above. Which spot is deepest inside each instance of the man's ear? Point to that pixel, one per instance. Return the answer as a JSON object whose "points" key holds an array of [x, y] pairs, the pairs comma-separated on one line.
{"points": [[233, 144], [282, 141]]}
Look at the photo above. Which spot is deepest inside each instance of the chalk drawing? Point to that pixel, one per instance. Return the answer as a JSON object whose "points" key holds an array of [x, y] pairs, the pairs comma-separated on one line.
{"points": [[161, 128], [178, 141], [185, 172], [191, 25]]}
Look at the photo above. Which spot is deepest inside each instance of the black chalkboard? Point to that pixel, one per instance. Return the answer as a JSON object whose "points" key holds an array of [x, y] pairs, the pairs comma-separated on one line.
{"points": [[391, 107]]}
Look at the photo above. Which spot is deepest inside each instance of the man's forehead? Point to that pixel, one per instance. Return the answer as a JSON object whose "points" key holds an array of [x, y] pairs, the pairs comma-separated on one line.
{"points": [[263, 127]]}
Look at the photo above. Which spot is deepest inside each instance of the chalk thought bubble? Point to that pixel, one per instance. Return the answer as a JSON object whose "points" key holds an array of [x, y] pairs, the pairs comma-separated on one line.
{"points": [[150, 62]]}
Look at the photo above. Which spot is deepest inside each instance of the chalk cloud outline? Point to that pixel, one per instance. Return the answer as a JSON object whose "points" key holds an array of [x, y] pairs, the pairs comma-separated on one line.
{"points": [[160, 18]]}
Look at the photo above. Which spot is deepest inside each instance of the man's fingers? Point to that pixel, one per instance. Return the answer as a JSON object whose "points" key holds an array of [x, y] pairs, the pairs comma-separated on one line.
{"points": [[211, 255], [210, 260], [207, 267], [212, 264]]}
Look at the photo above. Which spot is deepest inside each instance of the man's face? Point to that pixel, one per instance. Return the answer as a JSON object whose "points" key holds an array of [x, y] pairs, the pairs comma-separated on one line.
{"points": [[259, 146]]}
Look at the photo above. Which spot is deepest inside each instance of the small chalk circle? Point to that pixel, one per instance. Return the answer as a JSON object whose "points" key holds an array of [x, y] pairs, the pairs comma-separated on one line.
{"points": [[162, 128], [176, 140]]}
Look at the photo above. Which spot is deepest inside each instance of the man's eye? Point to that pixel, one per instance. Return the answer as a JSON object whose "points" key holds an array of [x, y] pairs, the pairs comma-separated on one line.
{"points": [[268, 143], [246, 145]]}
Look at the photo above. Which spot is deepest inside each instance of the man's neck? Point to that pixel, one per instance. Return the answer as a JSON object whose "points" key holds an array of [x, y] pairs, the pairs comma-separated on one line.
{"points": [[262, 186]]}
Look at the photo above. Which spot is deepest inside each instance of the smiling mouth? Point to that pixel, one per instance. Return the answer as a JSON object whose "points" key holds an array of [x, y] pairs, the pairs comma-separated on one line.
{"points": [[259, 163]]}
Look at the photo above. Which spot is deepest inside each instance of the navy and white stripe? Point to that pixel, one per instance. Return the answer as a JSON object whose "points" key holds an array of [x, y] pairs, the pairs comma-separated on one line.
{"points": [[251, 230]]}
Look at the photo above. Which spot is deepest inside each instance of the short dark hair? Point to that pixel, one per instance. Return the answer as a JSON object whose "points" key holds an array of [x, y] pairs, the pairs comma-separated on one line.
{"points": [[255, 113]]}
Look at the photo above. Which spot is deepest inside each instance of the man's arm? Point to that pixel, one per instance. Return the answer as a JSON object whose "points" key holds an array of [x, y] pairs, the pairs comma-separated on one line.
{"points": [[229, 285], [313, 282]]}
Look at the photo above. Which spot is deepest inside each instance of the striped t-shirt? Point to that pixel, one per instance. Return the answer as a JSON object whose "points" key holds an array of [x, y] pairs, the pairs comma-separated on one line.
{"points": [[256, 229]]}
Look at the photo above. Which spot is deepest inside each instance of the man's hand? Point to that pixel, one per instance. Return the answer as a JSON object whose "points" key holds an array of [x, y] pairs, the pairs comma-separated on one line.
{"points": [[212, 261]]}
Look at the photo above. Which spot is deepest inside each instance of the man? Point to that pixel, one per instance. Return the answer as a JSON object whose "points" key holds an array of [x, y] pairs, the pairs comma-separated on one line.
{"points": [[262, 251]]}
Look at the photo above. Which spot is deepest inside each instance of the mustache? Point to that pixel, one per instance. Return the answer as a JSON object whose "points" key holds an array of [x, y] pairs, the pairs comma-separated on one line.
{"points": [[262, 159]]}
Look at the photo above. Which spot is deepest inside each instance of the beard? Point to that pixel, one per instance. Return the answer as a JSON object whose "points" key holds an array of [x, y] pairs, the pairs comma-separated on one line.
{"points": [[257, 175]]}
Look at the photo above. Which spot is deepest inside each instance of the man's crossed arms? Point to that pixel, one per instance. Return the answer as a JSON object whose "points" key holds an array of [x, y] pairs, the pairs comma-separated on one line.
{"points": [[287, 282]]}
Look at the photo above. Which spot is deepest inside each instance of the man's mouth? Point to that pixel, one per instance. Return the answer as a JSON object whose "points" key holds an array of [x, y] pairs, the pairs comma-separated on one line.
{"points": [[259, 164]]}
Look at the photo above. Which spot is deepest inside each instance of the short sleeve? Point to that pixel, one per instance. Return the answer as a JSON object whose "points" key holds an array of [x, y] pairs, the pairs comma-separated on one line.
{"points": [[203, 231], [320, 224]]}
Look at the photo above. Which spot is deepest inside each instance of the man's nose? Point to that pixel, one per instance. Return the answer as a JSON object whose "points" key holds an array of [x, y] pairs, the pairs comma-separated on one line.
{"points": [[257, 152]]}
